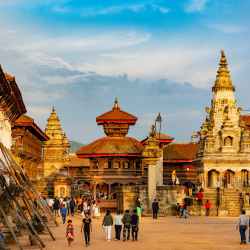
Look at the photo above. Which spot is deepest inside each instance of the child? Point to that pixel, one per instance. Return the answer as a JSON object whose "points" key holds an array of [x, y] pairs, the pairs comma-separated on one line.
{"points": [[86, 228], [63, 213], [70, 232], [207, 207]]}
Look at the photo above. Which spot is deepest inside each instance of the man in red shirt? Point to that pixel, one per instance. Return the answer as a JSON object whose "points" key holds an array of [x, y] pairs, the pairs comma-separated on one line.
{"points": [[199, 198]]}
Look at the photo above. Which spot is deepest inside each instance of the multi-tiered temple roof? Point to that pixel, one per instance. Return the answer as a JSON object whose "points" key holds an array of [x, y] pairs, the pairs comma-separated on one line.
{"points": [[116, 123]]}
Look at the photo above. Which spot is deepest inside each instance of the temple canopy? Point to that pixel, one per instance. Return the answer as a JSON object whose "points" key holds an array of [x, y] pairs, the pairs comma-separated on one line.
{"points": [[116, 125], [116, 122]]}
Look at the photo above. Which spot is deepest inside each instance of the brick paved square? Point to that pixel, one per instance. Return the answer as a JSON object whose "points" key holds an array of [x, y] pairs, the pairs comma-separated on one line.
{"points": [[168, 233]]}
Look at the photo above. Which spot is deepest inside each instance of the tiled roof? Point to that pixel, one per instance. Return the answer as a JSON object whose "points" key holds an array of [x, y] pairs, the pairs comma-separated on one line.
{"points": [[180, 151], [75, 161], [113, 146], [166, 137], [10, 96], [26, 121], [163, 138], [246, 120], [116, 115]]}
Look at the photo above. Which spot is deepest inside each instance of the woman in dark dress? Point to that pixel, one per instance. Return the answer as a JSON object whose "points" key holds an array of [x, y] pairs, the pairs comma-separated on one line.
{"points": [[86, 228]]}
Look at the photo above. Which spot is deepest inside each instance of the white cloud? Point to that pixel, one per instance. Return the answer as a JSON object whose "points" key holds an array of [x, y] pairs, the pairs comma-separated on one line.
{"points": [[228, 28], [181, 63], [115, 9], [38, 111], [196, 5], [109, 41]]}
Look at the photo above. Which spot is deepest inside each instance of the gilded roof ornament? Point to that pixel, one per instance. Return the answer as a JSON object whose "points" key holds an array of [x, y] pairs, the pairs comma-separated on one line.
{"points": [[223, 78], [116, 104]]}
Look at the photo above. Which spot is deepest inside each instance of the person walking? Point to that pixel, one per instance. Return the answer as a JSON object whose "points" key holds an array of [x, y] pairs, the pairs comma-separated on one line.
{"points": [[126, 220], [118, 225], [155, 209], [207, 207], [199, 198], [178, 210], [70, 232], [56, 207], [139, 212], [135, 225], [242, 225], [63, 212], [107, 225], [86, 229], [72, 206], [184, 210]]}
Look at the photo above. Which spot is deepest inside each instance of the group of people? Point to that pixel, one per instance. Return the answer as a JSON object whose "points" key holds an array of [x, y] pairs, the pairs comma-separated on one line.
{"points": [[127, 223], [182, 209], [68, 206], [126, 226], [57, 204]]}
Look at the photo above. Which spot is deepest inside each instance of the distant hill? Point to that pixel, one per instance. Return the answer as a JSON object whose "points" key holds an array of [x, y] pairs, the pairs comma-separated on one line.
{"points": [[74, 145]]}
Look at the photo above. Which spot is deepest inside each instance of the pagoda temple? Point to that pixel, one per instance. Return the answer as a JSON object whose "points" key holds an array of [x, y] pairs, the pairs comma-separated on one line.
{"points": [[116, 159]]}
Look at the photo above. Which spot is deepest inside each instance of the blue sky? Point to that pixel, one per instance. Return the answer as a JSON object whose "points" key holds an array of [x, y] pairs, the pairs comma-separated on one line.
{"points": [[154, 55]]}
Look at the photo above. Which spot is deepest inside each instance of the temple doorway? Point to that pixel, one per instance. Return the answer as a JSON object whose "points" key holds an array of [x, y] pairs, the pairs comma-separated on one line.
{"points": [[228, 180], [213, 178]]}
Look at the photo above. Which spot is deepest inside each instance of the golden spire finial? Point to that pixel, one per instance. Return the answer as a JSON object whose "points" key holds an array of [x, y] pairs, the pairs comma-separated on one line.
{"points": [[223, 79], [53, 109], [223, 60], [116, 104]]}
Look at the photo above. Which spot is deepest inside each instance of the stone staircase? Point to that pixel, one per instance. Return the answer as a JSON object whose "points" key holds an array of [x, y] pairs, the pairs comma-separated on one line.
{"points": [[211, 195], [231, 201]]}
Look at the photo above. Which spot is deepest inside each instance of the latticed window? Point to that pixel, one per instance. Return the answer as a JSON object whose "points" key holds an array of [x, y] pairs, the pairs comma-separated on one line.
{"points": [[244, 178], [109, 163], [126, 164]]}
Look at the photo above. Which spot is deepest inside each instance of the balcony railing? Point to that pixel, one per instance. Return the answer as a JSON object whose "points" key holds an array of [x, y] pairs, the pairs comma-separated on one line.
{"points": [[109, 172]]}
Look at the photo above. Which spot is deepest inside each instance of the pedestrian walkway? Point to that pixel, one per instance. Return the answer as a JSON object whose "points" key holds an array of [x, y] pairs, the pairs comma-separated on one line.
{"points": [[167, 233]]}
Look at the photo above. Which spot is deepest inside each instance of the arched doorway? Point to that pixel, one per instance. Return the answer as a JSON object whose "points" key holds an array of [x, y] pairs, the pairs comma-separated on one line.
{"points": [[213, 178], [244, 178], [228, 179]]}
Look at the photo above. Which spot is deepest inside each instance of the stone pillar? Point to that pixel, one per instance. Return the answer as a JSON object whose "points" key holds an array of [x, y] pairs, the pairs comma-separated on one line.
{"points": [[109, 189], [159, 174], [205, 179], [152, 182], [94, 191], [151, 159]]}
